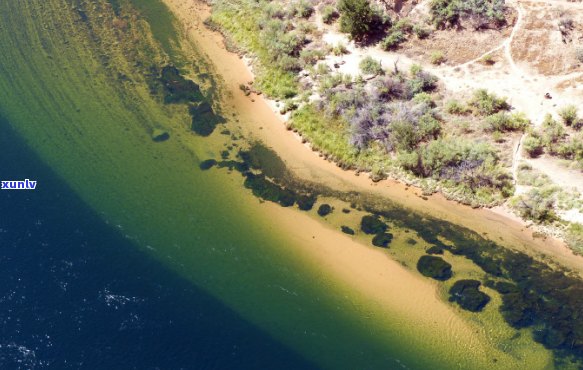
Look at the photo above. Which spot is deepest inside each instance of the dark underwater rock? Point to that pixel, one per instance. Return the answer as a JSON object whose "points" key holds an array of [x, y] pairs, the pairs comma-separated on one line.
{"points": [[204, 119], [466, 293], [324, 210], [207, 164], [178, 89], [159, 135], [434, 250], [434, 267], [347, 230], [306, 202], [372, 225], [382, 240]]}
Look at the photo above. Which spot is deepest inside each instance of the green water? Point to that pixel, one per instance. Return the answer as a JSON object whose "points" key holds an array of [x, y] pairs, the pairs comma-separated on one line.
{"points": [[61, 89]]}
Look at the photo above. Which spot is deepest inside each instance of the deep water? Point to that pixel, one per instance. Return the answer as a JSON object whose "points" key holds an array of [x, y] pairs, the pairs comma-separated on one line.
{"points": [[74, 293]]}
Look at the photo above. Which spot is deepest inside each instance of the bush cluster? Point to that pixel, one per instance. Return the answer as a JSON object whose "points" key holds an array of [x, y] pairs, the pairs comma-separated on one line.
{"points": [[480, 13], [359, 19]]}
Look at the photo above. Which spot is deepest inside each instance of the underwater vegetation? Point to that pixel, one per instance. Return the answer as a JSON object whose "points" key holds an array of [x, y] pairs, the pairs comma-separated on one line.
{"points": [[382, 239], [371, 224], [324, 210], [534, 295], [347, 230], [434, 267], [174, 88], [178, 89], [466, 293], [204, 119]]}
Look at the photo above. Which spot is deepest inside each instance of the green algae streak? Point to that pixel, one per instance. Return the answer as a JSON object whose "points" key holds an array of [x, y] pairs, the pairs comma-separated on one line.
{"points": [[74, 86]]}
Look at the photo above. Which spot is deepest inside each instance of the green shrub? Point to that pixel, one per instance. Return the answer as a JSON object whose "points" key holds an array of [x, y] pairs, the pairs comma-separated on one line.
{"points": [[487, 104], [537, 205], [574, 237], [533, 145], [569, 114], [573, 149], [437, 57], [339, 49], [424, 98], [421, 32], [421, 81], [455, 107], [393, 40], [502, 122], [311, 56], [552, 133], [303, 9], [488, 59], [472, 166], [404, 25], [370, 66], [358, 18], [329, 14], [448, 13]]}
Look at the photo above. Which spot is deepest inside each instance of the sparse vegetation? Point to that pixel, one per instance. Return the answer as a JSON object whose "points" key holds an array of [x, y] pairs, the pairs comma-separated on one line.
{"points": [[329, 14], [569, 114], [421, 32], [455, 107], [392, 40], [537, 205], [479, 13], [503, 121], [488, 59], [486, 104], [533, 145], [437, 57], [339, 49], [370, 66]]}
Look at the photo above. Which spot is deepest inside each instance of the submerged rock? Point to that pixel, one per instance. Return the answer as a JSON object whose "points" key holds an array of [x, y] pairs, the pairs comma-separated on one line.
{"points": [[207, 164], [434, 267], [466, 293], [324, 210], [306, 202], [371, 224], [347, 230], [159, 135], [382, 240], [204, 119], [178, 89], [435, 250]]}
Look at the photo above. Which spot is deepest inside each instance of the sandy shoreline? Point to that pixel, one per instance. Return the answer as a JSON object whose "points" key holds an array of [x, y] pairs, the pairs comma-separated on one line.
{"points": [[411, 301], [259, 119]]}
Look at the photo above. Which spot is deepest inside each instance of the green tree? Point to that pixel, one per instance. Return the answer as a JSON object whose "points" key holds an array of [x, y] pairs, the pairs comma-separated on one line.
{"points": [[357, 18]]}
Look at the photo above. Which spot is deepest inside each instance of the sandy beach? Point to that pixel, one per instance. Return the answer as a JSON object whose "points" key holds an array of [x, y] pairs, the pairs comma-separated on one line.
{"points": [[258, 119]]}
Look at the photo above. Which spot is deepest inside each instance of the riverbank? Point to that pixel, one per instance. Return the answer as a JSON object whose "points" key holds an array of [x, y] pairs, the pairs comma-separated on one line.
{"points": [[258, 118]]}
